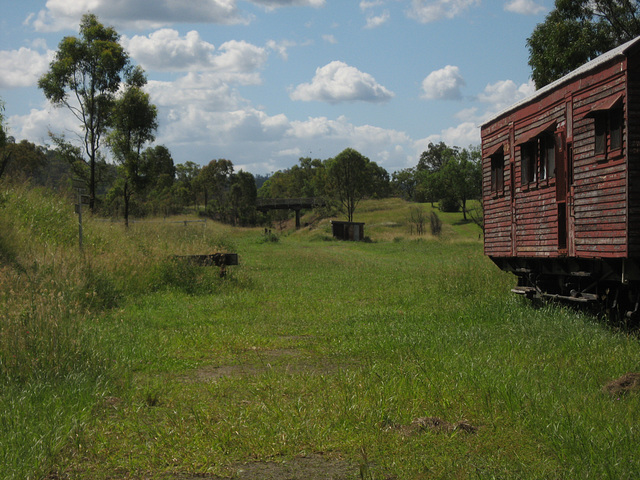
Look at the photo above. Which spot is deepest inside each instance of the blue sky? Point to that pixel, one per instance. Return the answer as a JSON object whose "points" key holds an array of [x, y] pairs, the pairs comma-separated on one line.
{"points": [[264, 82]]}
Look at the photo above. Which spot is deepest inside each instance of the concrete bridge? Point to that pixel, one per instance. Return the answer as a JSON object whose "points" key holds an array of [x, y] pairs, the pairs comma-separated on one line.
{"points": [[295, 204]]}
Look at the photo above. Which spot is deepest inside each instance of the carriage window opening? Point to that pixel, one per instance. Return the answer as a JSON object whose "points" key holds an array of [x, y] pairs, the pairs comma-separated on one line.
{"points": [[600, 134], [528, 155], [547, 156], [615, 128], [497, 172], [608, 131]]}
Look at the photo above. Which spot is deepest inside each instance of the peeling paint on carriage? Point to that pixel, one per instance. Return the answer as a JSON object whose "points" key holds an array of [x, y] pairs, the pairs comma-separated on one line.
{"points": [[561, 184]]}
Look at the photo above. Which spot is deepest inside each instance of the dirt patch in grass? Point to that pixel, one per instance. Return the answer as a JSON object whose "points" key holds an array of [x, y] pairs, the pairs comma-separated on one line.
{"points": [[210, 373], [257, 362], [312, 467], [629, 382], [435, 425]]}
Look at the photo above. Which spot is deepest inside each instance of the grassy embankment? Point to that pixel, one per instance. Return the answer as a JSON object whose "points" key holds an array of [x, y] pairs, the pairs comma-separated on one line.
{"points": [[123, 364]]}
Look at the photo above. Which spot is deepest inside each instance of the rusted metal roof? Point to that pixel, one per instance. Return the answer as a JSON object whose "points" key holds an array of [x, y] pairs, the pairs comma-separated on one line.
{"points": [[606, 57]]}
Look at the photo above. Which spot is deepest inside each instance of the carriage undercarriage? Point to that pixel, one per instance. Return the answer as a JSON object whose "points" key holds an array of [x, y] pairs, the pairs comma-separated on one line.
{"points": [[610, 285]]}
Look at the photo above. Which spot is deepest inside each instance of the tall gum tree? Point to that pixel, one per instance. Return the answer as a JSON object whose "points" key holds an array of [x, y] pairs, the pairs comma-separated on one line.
{"points": [[4, 156], [350, 178], [577, 31], [84, 77], [133, 123]]}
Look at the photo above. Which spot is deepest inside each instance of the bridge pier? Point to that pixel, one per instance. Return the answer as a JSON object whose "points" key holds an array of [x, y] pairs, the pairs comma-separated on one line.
{"points": [[295, 204]]}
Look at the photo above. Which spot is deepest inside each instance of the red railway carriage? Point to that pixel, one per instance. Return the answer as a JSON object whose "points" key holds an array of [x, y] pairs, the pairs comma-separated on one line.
{"points": [[561, 185]]}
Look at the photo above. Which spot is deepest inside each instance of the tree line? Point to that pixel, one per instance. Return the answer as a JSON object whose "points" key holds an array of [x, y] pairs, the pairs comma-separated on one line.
{"points": [[447, 175], [91, 75], [155, 186]]}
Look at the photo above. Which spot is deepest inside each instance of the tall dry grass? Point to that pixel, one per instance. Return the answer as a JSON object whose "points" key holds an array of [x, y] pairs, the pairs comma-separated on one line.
{"points": [[52, 298]]}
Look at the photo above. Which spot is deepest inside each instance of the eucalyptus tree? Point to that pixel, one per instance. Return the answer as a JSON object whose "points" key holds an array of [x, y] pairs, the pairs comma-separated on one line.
{"points": [[242, 196], [404, 182], [159, 172], [461, 178], [350, 178], [27, 160], [186, 187], [133, 122], [450, 176], [577, 31], [214, 180], [4, 155], [84, 77]]}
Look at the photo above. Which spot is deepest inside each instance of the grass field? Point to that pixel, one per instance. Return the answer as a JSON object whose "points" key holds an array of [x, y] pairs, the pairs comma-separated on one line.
{"points": [[404, 357]]}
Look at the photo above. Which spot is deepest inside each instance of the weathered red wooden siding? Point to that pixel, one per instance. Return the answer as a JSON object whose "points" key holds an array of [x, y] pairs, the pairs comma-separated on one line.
{"points": [[531, 216], [497, 206], [600, 186], [537, 222], [535, 204]]}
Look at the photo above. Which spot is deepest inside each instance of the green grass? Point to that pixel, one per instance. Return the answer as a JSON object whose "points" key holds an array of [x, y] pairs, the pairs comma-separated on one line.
{"points": [[317, 349]]}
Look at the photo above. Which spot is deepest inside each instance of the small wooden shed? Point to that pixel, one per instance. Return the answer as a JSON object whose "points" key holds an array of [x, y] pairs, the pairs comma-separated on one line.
{"points": [[347, 230]]}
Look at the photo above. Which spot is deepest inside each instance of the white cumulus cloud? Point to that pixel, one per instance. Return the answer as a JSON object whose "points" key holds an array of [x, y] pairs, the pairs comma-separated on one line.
{"points": [[36, 125], [204, 90], [462, 135], [22, 67], [367, 4], [240, 56], [374, 21], [281, 47], [501, 94], [338, 82], [427, 11], [166, 50], [443, 84], [329, 39], [524, 7], [381, 145], [271, 4], [64, 14]]}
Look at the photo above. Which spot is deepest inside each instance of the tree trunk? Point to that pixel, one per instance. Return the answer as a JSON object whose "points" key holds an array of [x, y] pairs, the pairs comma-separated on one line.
{"points": [[92, 184], [4, 161], [126, 203]]}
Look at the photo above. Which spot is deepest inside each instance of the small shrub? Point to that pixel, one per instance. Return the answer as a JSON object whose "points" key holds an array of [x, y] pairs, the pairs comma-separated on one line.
{"points": [[95, 288], [152, 399], [418, 218], [435, 224], [449, 204], [269, 237], [182, 274], [175, 272], [320, 236], [43, 217], [9, 247], [220, 243]]}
